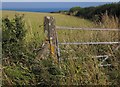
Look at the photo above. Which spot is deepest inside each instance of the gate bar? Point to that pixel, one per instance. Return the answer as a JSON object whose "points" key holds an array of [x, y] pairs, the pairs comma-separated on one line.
{"points": [[88, 43], [94, 29]]}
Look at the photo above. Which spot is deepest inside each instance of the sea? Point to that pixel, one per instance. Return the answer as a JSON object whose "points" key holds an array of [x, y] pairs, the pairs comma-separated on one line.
{"points": [[45, 10]]}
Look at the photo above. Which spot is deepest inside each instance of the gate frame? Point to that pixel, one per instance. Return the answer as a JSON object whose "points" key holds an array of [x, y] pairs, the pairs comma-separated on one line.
{"points": [[52, 38]]}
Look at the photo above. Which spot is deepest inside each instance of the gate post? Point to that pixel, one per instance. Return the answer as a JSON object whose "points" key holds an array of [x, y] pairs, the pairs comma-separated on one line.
{"points": [[50, 32]]}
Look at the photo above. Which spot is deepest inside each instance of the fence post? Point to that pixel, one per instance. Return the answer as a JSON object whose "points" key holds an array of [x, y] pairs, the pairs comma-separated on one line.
{"points": [[50, 32]]}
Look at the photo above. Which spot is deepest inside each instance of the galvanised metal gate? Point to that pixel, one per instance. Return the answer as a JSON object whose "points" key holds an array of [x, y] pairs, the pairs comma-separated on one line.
{"points": [[52, 38]]}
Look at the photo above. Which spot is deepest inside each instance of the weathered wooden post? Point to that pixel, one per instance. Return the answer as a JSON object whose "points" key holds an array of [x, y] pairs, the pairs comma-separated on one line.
{"points": [[50, 32]]}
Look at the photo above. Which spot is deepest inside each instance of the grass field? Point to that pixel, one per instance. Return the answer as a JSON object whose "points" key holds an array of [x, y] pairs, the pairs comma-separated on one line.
{"points": [[34, 25], [85, 69], [34, 22]]}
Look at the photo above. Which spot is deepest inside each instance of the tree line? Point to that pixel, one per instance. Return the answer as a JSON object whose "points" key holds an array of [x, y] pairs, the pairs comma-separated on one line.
{"points": [[95, 13]]}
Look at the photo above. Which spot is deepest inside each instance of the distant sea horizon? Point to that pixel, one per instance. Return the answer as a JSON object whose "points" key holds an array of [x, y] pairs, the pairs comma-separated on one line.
{"points": [[46, 10], [47, 6]]}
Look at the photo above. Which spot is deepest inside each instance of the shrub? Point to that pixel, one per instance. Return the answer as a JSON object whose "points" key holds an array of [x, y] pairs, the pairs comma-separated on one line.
{"points": [[20, 65], [13, 36]]}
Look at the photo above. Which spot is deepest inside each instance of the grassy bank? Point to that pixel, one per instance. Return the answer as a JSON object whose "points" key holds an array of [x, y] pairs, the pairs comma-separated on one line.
{"points": [[79, 65]]}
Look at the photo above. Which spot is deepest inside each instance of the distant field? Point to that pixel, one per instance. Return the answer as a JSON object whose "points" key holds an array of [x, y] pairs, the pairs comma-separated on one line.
{"points": [[34, 21]]}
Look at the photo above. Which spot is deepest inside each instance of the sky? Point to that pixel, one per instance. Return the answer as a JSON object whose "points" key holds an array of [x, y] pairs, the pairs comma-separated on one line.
{"points": [[60, 0], [9, 5]]}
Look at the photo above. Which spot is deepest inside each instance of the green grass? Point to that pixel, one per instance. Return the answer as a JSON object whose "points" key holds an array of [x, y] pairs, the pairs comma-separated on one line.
{"points": [[35, 20], [35, 31], [85, 69]]}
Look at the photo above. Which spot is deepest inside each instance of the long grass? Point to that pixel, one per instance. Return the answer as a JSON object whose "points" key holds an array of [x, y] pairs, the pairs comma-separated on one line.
{"points": [[78, 63], [84, 55]]}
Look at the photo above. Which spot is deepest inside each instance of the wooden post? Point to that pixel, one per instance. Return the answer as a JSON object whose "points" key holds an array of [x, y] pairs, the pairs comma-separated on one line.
{"points": [[50, 32]]}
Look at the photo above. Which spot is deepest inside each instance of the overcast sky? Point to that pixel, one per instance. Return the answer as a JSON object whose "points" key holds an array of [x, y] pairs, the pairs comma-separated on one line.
{"points": [[9, 5]]}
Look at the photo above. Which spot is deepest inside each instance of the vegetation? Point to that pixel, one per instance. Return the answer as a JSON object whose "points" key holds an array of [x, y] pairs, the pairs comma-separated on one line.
{"points": [[95, 13], [83, 55], [77, 65], [20, 66], [75, 10]]}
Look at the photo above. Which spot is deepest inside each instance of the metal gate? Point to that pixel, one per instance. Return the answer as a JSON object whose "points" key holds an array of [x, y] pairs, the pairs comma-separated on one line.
{"points": [[52, 38]]}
